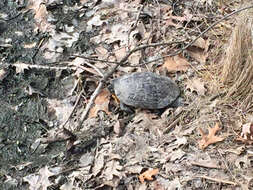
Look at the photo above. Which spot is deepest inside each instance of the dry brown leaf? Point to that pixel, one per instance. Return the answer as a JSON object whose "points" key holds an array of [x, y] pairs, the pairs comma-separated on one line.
{"points": [[112, 168], [209, 163], [56, 135], [238, 151], [68, 186], [176, 155], [78, 62], [94, 21], [30, 45], [41, 15], [135, 58], [159, 186], [210, 138], [150, 122], [21, 67], [148, 175], [120, 53], [171, 20], [119, 126], [196, 85], [98, 164], [198, 50], [246, 134], [83, 1], [40, 181], [247, 131], [35, 4], [198, 54], [176, 63], [101, 51], [59, 110], [101, 103], [202, 44]]}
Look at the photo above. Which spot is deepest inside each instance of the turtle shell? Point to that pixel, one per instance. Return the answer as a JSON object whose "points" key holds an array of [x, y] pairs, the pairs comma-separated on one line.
{"points": [[145, 90]]}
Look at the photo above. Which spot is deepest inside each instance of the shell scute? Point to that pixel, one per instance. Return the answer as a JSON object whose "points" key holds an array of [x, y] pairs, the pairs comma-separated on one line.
{"points": [[146, 90]]}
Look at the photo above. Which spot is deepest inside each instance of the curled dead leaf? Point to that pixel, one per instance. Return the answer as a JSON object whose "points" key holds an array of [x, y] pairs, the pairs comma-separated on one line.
{"points": [[210, 138], [176, 63], [196, 85], [247, 131], [202, 44], [246, 134], [101, 103], [198, 50], [198, 54], [148, 175]]}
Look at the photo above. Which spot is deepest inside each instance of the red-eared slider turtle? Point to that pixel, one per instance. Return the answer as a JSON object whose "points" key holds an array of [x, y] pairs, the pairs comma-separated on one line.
{"points": [[145, 90]]}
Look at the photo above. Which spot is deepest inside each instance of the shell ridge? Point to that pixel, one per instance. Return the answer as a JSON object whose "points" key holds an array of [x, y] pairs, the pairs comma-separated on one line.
{"points": [[146, 90]]}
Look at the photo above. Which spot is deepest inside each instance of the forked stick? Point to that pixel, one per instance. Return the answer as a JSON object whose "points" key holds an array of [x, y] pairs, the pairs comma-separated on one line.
{"points": [[124, 59]]}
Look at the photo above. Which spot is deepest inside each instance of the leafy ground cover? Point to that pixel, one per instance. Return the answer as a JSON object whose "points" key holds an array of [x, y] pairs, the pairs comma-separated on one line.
{"points": [[60, 126]]}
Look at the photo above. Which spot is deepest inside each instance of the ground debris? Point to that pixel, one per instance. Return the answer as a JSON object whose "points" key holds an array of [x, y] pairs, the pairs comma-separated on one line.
{"points": [[210, 138], [54, 55]]}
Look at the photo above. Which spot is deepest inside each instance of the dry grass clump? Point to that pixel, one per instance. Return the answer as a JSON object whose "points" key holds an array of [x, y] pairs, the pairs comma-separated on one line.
{"points": [[237, 74]]}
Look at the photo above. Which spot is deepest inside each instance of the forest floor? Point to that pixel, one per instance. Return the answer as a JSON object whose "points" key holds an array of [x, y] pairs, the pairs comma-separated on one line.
{"points": [[61, 128]]}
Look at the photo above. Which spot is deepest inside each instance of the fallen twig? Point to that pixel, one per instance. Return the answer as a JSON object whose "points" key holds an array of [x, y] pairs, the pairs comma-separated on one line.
{"points": [[201, 34], [124, 59], [93, 59], [226, 165], [95, 68], [73, 109], [217, 180], [205, 165], [135, 25], [108, 74]]}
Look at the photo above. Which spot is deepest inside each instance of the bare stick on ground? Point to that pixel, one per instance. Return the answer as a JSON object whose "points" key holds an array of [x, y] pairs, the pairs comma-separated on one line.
{"points": [[124, 59], [202, 33], [217, 180], [107, 75]]}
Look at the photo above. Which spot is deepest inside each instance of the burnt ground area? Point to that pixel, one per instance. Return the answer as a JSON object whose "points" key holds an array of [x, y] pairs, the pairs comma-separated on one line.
{"points": [[52, 56]]}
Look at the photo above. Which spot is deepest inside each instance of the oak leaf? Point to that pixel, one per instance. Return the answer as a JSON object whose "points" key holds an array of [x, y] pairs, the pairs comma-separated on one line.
{"points": [[209, 138], [199, 49], [148, 175], [246, 134], [176, 63], [196, 85], [101, 103], [198, 54], [247, 131], [202, 44]]}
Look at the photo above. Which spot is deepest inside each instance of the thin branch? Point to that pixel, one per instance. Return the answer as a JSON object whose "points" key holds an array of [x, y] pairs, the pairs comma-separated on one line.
{"points": [[135, 24], [124, 59], [95, 68], [201, 34], [107, 75], [142, 47], [226, 165], [73, 109], [217, 180], [88, 106], [93, 59]]}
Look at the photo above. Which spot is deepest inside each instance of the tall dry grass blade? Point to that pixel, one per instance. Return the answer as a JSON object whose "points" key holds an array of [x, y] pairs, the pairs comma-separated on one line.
{"points": [[237, 73]]}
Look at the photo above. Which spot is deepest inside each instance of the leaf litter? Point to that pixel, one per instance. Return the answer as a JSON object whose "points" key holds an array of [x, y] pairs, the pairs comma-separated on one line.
{"points": [[211, 137], [113, 149]]}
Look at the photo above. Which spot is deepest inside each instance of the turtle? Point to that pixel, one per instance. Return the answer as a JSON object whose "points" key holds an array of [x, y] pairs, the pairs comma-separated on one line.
{"points": [[145, 90]]}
